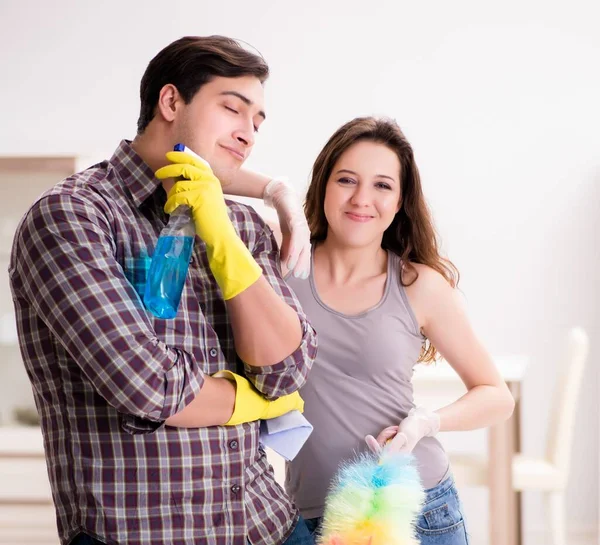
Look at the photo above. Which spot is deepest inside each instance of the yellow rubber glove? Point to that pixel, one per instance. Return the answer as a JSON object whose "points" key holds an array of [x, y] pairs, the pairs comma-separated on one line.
{"points": [[251, 405], [230, 261]]}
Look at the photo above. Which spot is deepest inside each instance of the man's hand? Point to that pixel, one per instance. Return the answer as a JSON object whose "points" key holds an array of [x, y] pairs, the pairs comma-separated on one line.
{"points": [[231, 262], [251, 405]]}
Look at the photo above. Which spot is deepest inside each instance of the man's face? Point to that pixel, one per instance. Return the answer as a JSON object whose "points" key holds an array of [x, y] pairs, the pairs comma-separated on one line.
{"points": [[221, 121]]}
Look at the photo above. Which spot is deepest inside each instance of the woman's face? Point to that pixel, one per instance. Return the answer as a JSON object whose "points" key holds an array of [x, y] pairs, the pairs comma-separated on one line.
{"points": [[362, 195]]}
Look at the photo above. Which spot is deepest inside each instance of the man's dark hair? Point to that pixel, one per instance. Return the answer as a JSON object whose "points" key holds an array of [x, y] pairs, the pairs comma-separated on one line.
{"points": [[189, 63]]}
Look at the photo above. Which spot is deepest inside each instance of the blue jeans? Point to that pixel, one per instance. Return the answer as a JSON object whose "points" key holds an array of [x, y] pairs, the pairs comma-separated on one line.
{"points": [[441, 521], [299, 536]]}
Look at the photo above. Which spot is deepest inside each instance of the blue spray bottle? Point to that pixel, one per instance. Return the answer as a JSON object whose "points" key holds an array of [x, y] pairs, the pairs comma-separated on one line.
{"points": [[171, 260]]}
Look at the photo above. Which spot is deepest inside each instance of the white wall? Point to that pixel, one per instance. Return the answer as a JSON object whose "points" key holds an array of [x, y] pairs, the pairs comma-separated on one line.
{"points": [[501, 103]]}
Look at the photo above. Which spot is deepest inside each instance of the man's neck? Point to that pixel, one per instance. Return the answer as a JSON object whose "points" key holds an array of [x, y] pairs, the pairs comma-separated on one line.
{"points": [[152, 149]]}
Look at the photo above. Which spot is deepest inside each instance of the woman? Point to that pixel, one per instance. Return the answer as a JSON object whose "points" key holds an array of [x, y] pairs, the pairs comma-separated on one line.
{"points": [[383, 299]]}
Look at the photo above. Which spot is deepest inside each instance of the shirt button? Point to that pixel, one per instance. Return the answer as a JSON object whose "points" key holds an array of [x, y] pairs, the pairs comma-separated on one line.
{"points": [[213, 352], [236, 488], [192, 260], [233, 445]]}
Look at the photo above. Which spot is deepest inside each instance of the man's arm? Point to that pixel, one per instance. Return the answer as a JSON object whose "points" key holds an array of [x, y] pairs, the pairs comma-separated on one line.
{"points": [[213, 406], [272, 334], [64, 266]]}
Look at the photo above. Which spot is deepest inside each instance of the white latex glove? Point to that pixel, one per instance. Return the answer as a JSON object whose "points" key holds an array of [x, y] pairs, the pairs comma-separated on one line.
{"points": [[295, 247], [419, 423]]}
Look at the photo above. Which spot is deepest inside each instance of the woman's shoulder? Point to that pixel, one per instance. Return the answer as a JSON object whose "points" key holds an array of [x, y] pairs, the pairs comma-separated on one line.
{"points": [[423, 277], [426, 290]]}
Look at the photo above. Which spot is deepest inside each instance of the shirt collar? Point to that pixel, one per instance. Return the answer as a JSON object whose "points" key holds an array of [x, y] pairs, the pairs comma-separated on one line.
{"points": [[137, 176]]}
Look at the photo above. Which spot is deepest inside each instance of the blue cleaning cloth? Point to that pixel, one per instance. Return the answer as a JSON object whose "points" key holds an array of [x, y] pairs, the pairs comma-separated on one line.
{"points": [[285, 434]]}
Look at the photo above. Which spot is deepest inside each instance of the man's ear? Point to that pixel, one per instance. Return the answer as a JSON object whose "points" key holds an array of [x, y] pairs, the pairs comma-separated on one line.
{"points": [[168, 101]]}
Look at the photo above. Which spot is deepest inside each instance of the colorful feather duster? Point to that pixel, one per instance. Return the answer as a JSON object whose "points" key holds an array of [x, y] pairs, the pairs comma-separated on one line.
{"points": [[374, 501]]}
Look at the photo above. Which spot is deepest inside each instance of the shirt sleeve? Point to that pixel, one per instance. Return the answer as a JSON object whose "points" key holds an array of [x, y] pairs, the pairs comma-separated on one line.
{"points": [[64, 266], [290, 374]]}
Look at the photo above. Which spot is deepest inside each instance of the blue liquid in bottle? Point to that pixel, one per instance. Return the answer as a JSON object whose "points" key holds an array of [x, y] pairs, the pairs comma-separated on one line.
{"points": [[169, 266], [171, 259]]}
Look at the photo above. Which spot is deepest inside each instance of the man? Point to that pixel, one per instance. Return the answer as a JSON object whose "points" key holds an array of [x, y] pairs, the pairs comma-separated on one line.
{"points": [[143, 444]]}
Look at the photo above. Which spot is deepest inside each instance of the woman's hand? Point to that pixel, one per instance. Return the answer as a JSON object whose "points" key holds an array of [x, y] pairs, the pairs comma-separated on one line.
{"points": [[419, 423], [295, 247]]}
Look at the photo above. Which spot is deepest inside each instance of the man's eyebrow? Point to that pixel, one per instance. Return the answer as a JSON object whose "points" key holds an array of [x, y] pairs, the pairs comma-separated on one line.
{"points": [[244, 99], [345, 170]]}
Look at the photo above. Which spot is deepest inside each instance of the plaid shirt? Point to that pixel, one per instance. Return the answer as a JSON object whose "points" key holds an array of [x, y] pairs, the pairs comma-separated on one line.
{"points": [[106, 374]]}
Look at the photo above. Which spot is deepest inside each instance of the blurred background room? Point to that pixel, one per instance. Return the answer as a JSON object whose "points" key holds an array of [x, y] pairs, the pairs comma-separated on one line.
{"points": [[501, 102]]}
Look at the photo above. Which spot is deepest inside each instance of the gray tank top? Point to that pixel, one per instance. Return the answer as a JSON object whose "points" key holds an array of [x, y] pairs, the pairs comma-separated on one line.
{"points": [[360, 383]]}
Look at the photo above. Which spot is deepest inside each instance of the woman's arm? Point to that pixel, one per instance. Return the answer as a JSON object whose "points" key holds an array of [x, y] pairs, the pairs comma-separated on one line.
{"points": [[292, 233], [440, 313], [247, 183], [443, 319]]}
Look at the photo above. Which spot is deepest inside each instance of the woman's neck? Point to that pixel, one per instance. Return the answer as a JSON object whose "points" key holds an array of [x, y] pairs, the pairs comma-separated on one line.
{"points": [[348, 265]]}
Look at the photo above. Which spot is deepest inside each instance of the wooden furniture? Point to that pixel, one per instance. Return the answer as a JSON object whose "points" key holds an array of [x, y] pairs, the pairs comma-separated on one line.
{"points": [[549, 474], [434, 382]]}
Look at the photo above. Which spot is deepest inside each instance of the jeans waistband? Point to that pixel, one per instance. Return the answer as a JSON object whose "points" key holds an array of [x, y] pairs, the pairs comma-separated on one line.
{"points": [[440, 489]]}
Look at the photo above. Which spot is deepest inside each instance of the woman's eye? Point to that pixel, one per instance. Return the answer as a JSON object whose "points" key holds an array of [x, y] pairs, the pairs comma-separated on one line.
{"points": [[382, 185], [346, 181], [231, 109]]}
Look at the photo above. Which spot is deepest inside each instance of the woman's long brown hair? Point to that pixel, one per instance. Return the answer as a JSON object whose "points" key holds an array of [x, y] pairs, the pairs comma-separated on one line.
{"points": [[411, 235]]}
